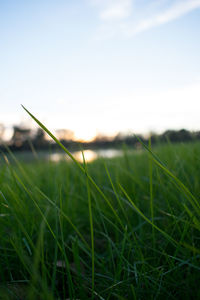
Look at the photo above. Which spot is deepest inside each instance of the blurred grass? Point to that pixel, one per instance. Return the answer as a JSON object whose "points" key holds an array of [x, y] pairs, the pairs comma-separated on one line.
{"points": [[135, 237]]}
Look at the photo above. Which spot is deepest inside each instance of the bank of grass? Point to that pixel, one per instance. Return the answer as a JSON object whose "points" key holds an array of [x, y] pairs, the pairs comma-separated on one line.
{"points": [[121, 228]]}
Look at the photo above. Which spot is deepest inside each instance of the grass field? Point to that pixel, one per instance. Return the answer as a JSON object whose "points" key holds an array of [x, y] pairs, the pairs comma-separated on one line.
{"points": [[121, 228]]}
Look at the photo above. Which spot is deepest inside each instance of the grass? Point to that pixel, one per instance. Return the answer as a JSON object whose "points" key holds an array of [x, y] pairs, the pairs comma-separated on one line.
{"points": [[120, 228]]}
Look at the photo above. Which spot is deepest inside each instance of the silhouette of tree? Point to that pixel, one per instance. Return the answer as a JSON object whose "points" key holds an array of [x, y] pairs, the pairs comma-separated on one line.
{"points": [[24, 139], [2, 129], [65, 134], [39, 138], [20, 135], [177, 136]]}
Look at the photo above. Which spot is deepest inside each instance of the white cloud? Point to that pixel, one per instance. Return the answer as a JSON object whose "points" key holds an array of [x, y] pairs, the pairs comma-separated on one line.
{"points": [[177, 10], [119, 9], [129, 22], [110, 10]]}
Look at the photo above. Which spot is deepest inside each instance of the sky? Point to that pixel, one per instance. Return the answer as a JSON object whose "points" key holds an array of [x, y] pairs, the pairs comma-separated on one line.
{"points": [[101, 66]]}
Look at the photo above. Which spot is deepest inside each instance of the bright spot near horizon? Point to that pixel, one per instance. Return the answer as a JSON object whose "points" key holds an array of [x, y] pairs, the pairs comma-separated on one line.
{"points": [[84, 134]]}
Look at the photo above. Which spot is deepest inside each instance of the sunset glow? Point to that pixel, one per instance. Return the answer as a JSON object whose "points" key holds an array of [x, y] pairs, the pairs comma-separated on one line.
{"points": [[101, 66]]}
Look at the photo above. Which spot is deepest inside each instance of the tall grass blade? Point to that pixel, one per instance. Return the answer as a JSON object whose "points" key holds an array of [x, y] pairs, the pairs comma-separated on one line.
{"points": [[77, 163], [194, 202], [91, 222], [146, 219]]}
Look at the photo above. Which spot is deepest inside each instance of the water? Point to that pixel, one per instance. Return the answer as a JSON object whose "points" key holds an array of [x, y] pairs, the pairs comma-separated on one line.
{"points": [[90, 155]]}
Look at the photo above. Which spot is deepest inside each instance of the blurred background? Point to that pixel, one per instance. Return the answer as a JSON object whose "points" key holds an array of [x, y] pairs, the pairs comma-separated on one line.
{"points": [[99, 69]]}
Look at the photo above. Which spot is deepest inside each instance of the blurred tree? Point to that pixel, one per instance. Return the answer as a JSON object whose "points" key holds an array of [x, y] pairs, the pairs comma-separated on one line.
{"points": [[2, 129], [20, 135], [65, 134], [39, 138], [177, 136]]}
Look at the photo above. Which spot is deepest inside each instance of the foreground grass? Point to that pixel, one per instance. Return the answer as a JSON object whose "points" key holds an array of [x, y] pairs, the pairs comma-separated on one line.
{"points": [[123, 228]]}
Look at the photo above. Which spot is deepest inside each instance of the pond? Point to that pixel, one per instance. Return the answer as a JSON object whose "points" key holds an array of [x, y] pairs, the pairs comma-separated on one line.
{"points": [[89, 155]]}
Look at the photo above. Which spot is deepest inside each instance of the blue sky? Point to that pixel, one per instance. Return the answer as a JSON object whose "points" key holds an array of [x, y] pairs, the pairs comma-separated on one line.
{"points": [[101, 65]]}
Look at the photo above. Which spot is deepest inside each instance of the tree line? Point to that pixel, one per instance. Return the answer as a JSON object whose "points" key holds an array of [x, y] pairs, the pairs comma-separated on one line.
{"points": [[27, 139]]}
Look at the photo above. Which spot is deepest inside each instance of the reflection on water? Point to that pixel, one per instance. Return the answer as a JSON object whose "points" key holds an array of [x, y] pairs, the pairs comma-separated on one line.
{"points": [[89, 155]]}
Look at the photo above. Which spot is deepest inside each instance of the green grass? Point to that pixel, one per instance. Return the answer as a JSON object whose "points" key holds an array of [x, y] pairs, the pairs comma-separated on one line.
{"points": [[120, 228]]}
